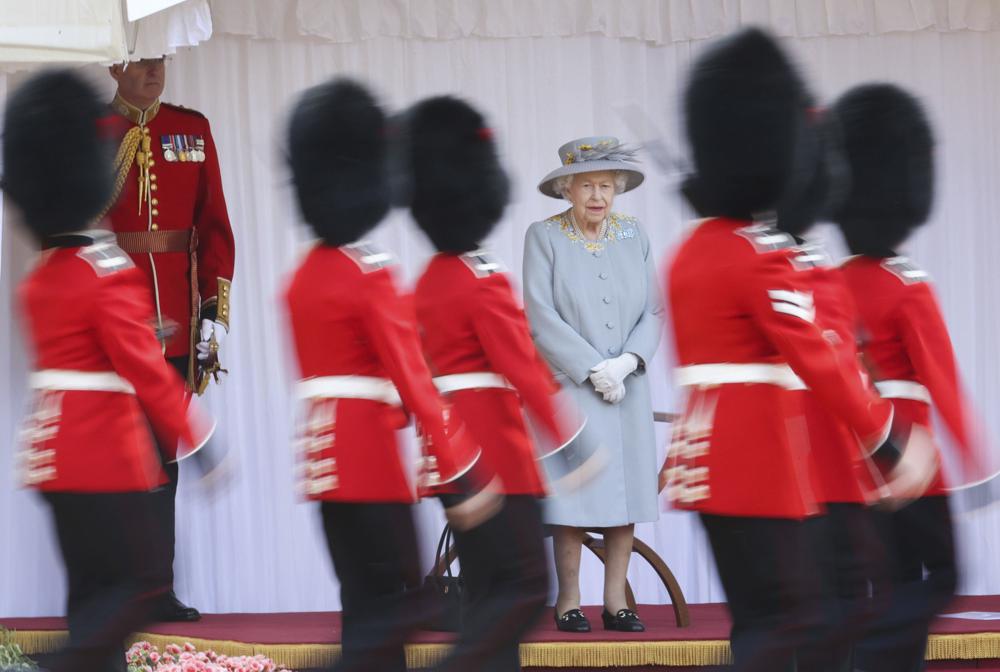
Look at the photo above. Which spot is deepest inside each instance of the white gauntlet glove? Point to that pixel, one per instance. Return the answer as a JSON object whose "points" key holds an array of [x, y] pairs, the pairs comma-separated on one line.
{"points": [[208, 328]]}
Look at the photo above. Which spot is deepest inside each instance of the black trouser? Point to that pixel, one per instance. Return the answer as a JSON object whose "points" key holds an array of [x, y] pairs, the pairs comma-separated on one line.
{"points": [[110, 547], [166, 495], [921, 551], [772, 592], [374, 551], [506, 579], [852, 560]]}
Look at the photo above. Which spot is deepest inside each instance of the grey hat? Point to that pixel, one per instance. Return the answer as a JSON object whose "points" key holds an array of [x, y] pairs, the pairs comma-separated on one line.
{"points": [[593, 154]]}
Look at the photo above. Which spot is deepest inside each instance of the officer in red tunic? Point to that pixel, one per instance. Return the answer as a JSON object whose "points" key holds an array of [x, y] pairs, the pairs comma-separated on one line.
{"points": [[745, 331], [479, 347], [889, 147], [169, 213], [362, 371], [99, 373]]}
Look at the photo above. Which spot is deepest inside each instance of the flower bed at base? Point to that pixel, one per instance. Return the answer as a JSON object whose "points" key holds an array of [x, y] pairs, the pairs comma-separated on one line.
{"points": [[12, 659], [144, 657]]}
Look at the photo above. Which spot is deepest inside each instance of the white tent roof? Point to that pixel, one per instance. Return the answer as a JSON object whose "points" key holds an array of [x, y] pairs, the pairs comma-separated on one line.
{"points": [[97, 31]]}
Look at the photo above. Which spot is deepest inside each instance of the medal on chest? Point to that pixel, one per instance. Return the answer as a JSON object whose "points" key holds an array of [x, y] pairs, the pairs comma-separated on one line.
{"points": [[178, 148]]}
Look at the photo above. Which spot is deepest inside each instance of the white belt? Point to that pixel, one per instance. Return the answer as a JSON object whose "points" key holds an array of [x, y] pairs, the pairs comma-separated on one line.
{"points": [[349, 387], [470, 381], [903, 389], [698, 375], [95, 381]]}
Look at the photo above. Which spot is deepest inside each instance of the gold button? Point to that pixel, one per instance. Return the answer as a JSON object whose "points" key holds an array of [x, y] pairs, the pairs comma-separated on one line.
{"points": [[152, 177], [154, 227], [152, 187], [156, 201], [155, 212], [152, 163]]}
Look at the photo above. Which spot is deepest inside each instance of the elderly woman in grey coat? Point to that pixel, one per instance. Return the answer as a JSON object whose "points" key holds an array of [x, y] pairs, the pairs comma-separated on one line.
{"points": [[592, 299]]}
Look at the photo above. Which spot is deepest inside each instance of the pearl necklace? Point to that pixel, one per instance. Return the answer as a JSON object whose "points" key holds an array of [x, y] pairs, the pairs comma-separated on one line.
{"points": [[602, 232]]}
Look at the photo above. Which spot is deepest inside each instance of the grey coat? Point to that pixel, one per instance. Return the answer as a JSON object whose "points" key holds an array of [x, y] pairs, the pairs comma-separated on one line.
{"points": [[588, 301]]}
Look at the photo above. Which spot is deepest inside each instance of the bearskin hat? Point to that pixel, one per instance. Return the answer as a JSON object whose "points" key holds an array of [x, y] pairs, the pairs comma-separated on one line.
{"points": [[57, 166], [745, 110], [820, 179], [457, 188], [337, 151], [889, 148]]}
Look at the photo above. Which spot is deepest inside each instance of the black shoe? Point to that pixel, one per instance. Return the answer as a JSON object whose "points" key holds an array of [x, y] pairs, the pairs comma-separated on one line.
{"points": [[174, 611], [625, 620], [572, 621]]}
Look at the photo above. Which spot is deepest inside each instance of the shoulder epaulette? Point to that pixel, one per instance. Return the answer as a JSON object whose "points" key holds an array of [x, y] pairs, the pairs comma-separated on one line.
{"points": [[765, 238], [810, 255], [482, 263], [181, 108], [904, 269], [105, 258], [368, 256]]}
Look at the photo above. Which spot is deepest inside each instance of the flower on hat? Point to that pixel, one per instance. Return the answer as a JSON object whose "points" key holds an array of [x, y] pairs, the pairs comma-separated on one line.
{"points": [[595, 153]]}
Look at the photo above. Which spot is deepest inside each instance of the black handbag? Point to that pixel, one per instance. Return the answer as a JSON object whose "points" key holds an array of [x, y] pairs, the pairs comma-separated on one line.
{"points": [[446, 591]]}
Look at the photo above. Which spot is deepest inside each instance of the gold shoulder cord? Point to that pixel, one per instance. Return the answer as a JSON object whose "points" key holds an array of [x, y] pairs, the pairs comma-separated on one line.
{"points": [[127, 151], [135, 146], [142, 157]]}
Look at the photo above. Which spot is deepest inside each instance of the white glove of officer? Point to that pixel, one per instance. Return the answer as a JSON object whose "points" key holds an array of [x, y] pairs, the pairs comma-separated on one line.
{"points": [[209, 327], [611, 373]]}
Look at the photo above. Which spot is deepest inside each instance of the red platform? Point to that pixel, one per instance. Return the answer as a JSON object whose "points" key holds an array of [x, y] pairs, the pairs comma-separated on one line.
{"points": [[310, 640]]}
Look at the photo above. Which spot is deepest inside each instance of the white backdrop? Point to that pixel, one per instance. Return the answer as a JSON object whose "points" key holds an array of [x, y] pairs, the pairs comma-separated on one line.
{"points": [[253, 546]]}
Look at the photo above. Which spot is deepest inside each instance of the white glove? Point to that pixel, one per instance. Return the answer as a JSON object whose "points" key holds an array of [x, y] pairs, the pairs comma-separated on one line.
{"points": [[615, 396], [209, 327], [611, 373]]}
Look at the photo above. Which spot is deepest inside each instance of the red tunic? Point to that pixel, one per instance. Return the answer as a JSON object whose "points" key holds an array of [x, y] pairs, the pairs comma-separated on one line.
{"points": [[87, 310], [904, 338], [348, 320], [185, 196], [743, 311], [841, 471], [470, 322]]}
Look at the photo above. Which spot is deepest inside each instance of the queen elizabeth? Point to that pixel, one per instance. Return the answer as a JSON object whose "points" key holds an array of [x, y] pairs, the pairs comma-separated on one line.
{"points": [[592, 299]]}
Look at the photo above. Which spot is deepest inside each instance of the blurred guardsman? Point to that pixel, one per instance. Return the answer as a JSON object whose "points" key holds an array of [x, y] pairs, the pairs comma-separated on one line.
{"points": [[843, 540], [362, 370], [99, 373], [479, 346], [745, 332], [889, 147]]}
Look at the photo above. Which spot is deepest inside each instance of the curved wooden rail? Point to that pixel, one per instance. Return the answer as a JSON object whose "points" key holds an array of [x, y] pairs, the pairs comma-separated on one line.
{"points": [[596, 546]]}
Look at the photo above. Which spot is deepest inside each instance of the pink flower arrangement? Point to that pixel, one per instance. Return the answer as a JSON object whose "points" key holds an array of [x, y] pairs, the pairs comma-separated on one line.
{"points": [[144, 657]]}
